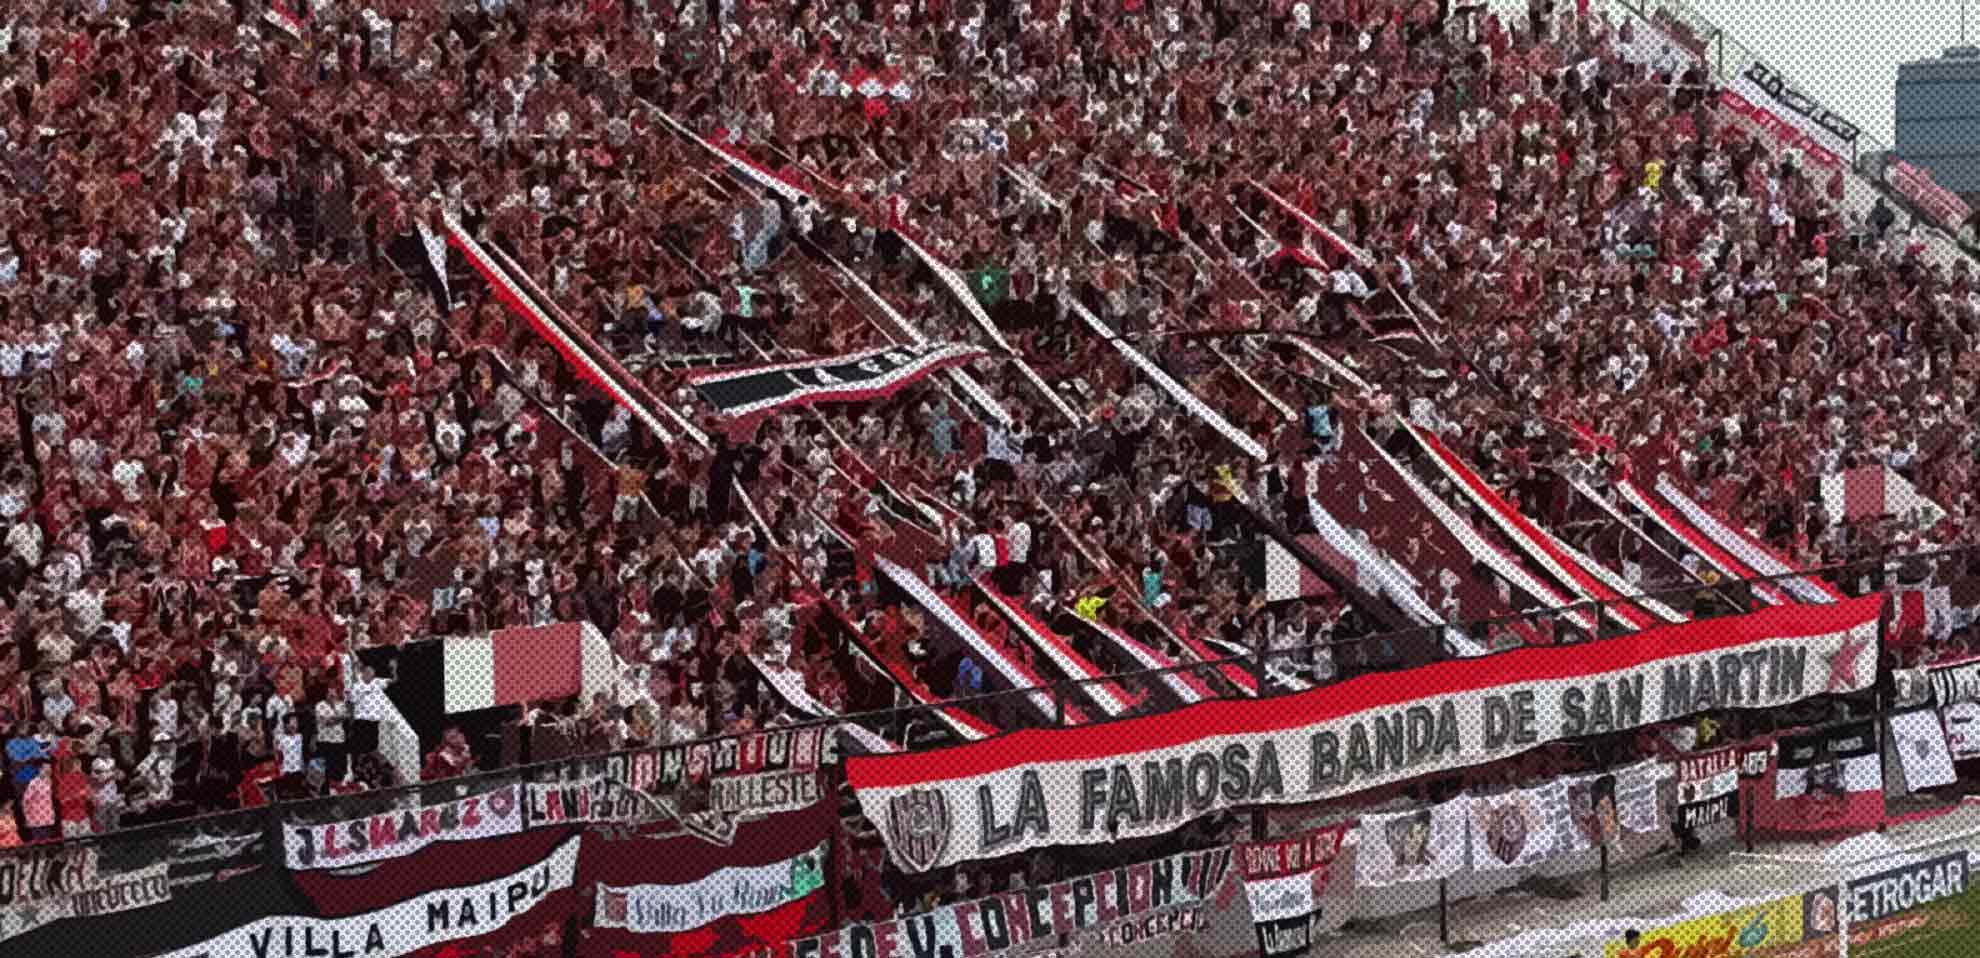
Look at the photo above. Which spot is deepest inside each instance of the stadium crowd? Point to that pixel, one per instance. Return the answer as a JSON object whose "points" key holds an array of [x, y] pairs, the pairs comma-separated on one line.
{"points": [[245, 443]]}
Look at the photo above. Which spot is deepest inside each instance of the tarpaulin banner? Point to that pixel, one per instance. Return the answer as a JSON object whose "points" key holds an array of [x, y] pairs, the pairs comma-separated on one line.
{"points": [[664, 891], [1956, 687], [1941, 205], [595, 798], [1422, 844], [1920, 743], [1519, 828], [1115, 907], [1742, 931], [729, 779], [1707, 787], [1761, 84], [1829, 780], [402, 831], [1606, 804], [1038, 788], [749, 391], [739, 890], [420, 921], [103, 893], [1284, 880], [31, 875], [1751, 105]]}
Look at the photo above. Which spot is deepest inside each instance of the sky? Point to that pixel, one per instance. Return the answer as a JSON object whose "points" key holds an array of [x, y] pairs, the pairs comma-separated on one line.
{"points": [[1845, 53]]}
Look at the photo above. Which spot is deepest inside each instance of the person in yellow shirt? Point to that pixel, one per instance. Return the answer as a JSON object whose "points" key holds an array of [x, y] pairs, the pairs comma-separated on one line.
{"points": [[1653, 174]]}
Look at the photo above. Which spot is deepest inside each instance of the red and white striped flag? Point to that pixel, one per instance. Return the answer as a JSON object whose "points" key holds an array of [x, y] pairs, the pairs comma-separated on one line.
{"points": [[289, 16], [1871, 492]]}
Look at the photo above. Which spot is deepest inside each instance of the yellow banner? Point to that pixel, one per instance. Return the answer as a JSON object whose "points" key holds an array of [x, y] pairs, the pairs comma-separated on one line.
{"points": [[1733, 934]]}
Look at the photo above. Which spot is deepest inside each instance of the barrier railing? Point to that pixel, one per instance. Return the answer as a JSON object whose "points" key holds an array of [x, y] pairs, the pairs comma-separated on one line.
{"points": [[1279, 671]]}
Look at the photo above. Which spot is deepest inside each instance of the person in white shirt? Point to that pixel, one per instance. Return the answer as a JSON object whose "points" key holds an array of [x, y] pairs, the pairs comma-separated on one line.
{"points": [[289, 745], [369, 706], [331, 714]]}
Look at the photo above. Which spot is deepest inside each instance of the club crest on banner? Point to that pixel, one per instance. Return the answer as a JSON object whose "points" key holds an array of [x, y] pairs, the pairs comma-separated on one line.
{"points": [[614, 904], [918, 826], [1506, 826]]}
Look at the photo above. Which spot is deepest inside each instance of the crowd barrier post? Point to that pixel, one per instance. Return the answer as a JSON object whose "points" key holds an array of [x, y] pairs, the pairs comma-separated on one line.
{"points": [[834, 850], [1444, 910]]}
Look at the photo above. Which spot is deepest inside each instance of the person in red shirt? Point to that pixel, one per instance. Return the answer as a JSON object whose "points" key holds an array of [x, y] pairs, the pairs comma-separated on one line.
{"points": [[451, 760], [72, 795]]}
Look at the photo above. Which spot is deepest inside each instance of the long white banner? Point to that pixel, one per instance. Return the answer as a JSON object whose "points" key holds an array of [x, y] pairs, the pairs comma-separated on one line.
{"points": [[403, 831], [411, 925], [1039, 788], [742, 890]]}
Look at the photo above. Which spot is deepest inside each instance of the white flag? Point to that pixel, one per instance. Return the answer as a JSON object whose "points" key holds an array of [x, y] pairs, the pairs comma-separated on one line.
{"points": [[1420, 845], [1921, 746]]}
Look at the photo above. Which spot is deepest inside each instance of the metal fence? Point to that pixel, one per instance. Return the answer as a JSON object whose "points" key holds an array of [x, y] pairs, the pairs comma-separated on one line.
{"points": [[1272, 672]]}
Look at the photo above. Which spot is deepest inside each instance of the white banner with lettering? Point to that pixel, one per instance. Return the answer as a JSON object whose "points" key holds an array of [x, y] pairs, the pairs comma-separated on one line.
{"points": [[1764, 87], [745, 890], [1039, 788], [402, 831], [411, 925]]}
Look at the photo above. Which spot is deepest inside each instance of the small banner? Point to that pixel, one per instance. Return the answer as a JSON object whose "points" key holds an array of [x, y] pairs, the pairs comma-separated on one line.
{"points": [[401, 832], [1284, 880], [1828, 780], [1122, 906], [749, 391], [1605, 805], [1708, 787], [1520, 828], [1920, 742], [725, 893], [1424, 844], [1956, 687]]}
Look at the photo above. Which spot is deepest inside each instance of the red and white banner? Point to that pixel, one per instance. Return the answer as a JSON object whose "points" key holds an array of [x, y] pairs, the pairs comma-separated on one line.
{"points": [[1873, 492], [1941, 205], [592, 363], [524, 664], [1168, 384], [291, 18], [1567, 565], [1284, 880], [1039, 788], [1109, 696], [1760, 84], [1481, 548], [1830, 780], [1671, 521], [1745, 546], [1786, 133], [659, 893]]}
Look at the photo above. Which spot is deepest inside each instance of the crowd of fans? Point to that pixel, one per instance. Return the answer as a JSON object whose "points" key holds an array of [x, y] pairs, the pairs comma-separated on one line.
{"points": [[245, 443]]}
